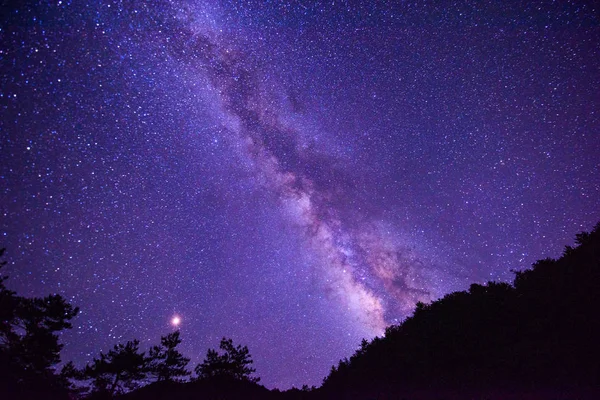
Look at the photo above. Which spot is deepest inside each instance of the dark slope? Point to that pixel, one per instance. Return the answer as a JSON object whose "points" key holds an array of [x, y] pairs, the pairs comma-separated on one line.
{"points": [[214, 389], [536, 338]]}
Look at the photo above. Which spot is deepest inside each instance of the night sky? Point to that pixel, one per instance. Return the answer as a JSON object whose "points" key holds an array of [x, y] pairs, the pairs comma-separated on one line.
{"points": [[293, 175]]}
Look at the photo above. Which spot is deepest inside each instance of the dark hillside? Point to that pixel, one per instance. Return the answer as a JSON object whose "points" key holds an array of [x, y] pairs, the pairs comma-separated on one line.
{"points": [[537, 336], [229, 389], [534, 339]]}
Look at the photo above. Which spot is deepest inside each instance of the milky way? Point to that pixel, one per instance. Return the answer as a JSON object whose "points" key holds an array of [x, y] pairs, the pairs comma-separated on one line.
{"points": [[295, 176]]}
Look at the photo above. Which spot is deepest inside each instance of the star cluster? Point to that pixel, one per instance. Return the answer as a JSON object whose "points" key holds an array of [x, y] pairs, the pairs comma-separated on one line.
{"points": [[293, 175]]}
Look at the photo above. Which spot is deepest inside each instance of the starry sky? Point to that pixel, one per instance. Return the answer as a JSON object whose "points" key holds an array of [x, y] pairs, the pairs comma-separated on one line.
{"points": [[293, 175]]}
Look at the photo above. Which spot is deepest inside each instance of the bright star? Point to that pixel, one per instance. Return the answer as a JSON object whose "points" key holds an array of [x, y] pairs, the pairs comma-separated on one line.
{"points": [[175, 321]]}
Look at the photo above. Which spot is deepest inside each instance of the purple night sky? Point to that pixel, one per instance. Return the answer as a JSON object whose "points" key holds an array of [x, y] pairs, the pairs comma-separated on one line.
{"points": [[293, 175]]}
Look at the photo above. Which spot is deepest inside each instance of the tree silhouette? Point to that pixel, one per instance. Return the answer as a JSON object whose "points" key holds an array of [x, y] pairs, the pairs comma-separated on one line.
{"points": [[29, 347], [234, 363], [166, 362], [118, 371], [539, 334]]}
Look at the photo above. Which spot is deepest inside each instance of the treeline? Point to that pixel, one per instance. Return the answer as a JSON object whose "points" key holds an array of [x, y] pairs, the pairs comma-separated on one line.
{"points": [[29, 346], [536, 338], [125, 368], [30, 352]]}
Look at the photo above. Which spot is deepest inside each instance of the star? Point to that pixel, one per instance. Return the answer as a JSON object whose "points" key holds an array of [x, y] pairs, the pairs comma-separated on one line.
{"points": [[275, 178]]}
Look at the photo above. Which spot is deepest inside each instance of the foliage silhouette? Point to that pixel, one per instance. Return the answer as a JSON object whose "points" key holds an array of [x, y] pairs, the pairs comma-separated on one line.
{"points": [[29, 346], [536, 338], [538, 334], [166, 363], [234, 363], [123, 368]]}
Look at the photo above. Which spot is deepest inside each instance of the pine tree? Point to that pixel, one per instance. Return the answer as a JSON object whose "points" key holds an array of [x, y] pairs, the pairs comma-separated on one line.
{"points": [[233, 363], [29, 346], [118, 371], [166, 362]]}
